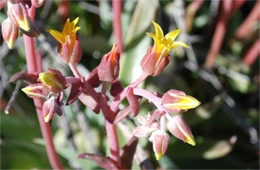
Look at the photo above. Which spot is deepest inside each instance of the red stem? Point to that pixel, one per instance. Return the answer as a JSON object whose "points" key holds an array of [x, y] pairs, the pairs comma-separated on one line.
{"points": [[33, 67], [252, 54], [117, 26]]}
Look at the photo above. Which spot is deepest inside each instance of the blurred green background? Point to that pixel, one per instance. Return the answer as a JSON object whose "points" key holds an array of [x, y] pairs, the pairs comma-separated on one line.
{"points": [[225, 125]]}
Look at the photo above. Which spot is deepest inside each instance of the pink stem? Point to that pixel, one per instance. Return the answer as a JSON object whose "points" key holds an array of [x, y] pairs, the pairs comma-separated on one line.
{"points": [[117, 26], [252, 54], [32, 64]]}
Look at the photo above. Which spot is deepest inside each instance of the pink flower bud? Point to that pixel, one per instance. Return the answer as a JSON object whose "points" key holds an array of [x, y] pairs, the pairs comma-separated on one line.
{"points": [[160, 140], [108, 69], [37, 3], [19, 16], [9, 32], [180, 129], [175, 101], [2, 4], [153, 65], [49, 108], [54, 81], [35, 91]]}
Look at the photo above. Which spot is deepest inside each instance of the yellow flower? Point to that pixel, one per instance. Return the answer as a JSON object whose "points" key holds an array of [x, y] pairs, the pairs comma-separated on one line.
{"points": [[164, 44], [69, 50], [68, 33]]}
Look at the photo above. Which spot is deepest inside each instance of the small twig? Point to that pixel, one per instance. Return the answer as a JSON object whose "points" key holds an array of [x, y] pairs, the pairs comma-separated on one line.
{"points": [[13, 97]]}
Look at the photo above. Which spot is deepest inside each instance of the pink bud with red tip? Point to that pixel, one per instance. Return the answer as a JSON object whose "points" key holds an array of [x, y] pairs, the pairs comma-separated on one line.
{"points": [[181, 130], [9, 32], [108, 69], [160, 140]]}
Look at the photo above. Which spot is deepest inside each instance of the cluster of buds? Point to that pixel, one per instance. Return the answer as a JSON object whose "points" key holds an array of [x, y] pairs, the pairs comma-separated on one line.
{"points": [[167, 117], [18, 19], [157, 58], [50, 86]]}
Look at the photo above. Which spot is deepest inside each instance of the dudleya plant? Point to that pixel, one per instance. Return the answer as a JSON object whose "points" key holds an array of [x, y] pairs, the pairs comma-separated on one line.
{"points": [[50, 87]]}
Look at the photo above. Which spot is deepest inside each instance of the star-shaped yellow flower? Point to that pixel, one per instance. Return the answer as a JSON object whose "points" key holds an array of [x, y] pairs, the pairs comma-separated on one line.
{"points": [[68, 33], [164, 44]]}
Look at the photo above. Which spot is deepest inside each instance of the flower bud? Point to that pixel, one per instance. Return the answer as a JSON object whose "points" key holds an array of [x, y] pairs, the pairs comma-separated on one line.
{"points": [[175, 101], [142, 131], [49, 108], [160, 140], [153, 65], [9, 32], [19, 16], [108, 69], [2, 3], [180, 129], [37, 3], [54, 81], [35, 91]]}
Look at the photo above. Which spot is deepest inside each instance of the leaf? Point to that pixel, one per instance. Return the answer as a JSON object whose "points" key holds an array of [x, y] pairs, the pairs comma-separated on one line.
{"points": [[128, 152], [102, 161]]}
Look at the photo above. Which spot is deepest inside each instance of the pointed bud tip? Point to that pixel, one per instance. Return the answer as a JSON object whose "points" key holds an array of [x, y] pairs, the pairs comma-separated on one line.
{"points": [[190, 140], [47, 118], [158, 156]]}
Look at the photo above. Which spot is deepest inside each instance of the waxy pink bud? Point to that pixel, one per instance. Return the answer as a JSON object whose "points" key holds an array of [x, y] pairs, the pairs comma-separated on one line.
{"points": [[35, 91], [108, 69], [175, 101], [2, 4], [54, 81], [9, 32], [180, 129], [160, 140], [37, 3], [19, 16], [152, 64], [49, 108]]}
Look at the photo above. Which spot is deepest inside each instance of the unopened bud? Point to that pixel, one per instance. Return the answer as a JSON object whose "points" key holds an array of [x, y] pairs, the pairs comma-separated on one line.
{"points": [[9, 32], [19, 16], [180, 129], [49, 109], [35, 91], [160, 140], [53, 80], [108, 69], [175, 101]]}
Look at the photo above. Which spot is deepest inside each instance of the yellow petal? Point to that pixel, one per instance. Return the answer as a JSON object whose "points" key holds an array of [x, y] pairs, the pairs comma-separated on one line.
{"points": [[24, 24], [178, 43], [158, 30], [75, 21], [75, 29], [57, 35], [158, 156], [67, 27], [190, 140], [49, 79], [173, 34]]}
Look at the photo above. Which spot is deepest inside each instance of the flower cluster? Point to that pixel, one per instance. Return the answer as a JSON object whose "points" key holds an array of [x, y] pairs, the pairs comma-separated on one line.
{"points": [[18, 19], [167, 117]]}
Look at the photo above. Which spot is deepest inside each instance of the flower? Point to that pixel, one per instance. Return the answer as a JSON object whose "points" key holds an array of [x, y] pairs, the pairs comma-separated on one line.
{"points": [[160, 140], [164, 44], [180, 129], [157, 58], [53, 80], [9, 32], [69, 46], [175, 101], [108, 69]]}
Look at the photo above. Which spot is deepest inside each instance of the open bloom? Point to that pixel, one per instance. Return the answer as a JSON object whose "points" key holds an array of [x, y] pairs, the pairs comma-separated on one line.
{"points": [[69, 47], [157, 58]]}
